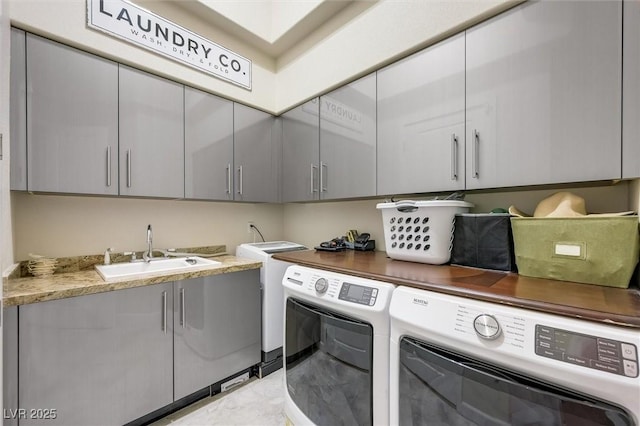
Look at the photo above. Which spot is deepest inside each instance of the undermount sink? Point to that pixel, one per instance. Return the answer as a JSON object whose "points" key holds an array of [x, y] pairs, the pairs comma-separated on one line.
{"points": [[139, 269]]}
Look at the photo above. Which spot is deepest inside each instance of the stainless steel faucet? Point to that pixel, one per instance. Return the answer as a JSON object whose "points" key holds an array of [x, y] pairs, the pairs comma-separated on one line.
{"points": [[148, 255]]}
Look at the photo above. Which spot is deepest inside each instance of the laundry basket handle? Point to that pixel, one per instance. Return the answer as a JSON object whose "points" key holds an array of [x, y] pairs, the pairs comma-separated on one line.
{"points": [[406, 206]]}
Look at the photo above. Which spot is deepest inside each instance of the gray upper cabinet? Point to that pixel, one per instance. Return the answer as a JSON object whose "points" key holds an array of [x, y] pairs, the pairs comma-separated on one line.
{"points": [[18, 110], [151, 135], [301, 152], [257, 155], [208, 146], [347, 166], [421, 119], [216, 329], [72, 119], [544, 95], [631, 90], [104, 358]]}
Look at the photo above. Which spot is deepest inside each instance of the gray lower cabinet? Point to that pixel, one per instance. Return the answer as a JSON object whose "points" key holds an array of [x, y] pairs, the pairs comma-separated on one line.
{"points": [[72, 119], [10, 366], [631, 90], [257, 155], [216, 329], [208, 146], [421, 119], [151, 112], [104, 358], [301, 152], [347, 166], [18, 110], [544, 95]]}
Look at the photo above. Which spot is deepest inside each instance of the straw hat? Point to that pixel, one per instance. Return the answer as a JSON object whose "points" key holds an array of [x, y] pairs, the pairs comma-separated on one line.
{"points": [[562, 204]]}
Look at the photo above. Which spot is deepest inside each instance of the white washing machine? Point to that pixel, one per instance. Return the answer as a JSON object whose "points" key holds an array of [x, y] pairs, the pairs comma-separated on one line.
{"points": [[271, 275], [459, 361], [336, 348]]}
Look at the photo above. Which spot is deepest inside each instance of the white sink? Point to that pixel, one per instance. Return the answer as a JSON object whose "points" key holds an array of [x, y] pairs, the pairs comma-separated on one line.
{"points": [[141, 269]]}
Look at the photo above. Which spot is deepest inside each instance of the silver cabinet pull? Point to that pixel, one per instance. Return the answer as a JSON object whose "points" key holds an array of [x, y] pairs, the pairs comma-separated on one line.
{"points": [[454, 157], [183, 315], [240, 180], [313, 187], [229, 178], [128, 168], [164, 312], [323, 166], [476, 153], [109, 166]]}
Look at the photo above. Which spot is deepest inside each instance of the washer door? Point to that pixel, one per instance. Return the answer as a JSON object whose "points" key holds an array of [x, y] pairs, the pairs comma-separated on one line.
{"points": [[329, 360], [440, 387]]}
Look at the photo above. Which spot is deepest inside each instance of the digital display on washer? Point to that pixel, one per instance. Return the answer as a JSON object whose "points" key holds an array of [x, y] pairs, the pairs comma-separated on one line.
{"points": [[358, 294], [595, 352]]}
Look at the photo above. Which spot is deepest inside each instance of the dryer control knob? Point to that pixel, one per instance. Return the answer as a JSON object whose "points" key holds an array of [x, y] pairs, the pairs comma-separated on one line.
{"points": [[487, 327], [322, 285]]}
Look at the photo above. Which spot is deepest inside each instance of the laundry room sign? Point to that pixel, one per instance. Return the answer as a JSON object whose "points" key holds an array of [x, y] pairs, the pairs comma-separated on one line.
{"points": [[136, 25]]}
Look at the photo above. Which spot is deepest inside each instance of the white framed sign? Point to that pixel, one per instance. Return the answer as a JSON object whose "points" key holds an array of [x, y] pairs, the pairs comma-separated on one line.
{"points": [[136, 25]]}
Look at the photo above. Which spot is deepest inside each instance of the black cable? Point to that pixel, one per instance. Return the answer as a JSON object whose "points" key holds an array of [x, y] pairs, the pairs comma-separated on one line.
{"points": [[256, 228]]}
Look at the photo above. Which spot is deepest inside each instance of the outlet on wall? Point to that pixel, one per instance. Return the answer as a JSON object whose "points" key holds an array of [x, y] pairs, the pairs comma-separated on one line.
{"points": [[249, 227]]}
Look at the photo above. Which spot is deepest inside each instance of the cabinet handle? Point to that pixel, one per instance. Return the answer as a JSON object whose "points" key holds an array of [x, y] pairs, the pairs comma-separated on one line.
{"points": [[454, 157], [240, 180], [313, 187], [229, 178], [323, 166], [128, 168], [109, 166], [164, 312], [183, 315], [476, 153]]}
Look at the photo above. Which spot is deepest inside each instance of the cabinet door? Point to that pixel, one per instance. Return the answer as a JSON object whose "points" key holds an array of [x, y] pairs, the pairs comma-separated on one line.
{"points": [[18, 110], [421, 137], [217, 328], [208, 146], [151, 135], [98, 359], [10, 365], [72, 118], [348, 140], [543, 95], [256, 155], [631, 90], [301, 152]]}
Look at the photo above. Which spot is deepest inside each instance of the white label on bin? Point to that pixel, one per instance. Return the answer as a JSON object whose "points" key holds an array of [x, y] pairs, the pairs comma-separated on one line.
{"points": [[569, 250]]}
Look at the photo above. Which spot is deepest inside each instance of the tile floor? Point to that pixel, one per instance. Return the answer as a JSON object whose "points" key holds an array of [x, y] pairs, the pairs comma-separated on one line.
{"points": [[259, 402]]}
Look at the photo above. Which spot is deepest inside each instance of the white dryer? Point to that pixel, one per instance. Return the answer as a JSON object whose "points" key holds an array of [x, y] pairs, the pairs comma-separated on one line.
{"points": [[336, 348], [458, 361], [271, 275]]}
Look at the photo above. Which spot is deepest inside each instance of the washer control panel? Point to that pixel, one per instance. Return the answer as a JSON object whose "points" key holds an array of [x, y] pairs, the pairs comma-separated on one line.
{"points": [[358, 294], [607, 355]]}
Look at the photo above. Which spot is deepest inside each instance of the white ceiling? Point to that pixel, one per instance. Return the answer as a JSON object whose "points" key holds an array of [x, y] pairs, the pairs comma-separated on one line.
{"points": [[272, 26]]}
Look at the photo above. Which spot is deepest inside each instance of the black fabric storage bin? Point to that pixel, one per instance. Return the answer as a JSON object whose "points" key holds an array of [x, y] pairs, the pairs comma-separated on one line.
{"points": [[483, 241]]}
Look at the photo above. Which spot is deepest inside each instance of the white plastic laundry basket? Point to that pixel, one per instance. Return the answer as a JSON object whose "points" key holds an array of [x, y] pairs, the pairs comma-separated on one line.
{"points": [[420, 231]]}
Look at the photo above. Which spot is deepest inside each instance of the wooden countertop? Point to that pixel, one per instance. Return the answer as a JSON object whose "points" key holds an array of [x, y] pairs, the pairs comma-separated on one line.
{"points": [[589, 302], [22, 291]]}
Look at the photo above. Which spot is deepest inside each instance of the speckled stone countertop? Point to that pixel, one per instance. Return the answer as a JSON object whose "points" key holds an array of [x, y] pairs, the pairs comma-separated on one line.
{"points": [[29, 289]]}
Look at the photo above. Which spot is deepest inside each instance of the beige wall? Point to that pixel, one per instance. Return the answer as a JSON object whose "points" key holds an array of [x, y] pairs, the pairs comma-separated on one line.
{"points": [[312, 223], [57, 226]]}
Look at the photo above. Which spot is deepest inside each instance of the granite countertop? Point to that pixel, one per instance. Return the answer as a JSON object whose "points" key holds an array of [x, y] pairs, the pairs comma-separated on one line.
{"points": [[26, 290], [609, 305]]}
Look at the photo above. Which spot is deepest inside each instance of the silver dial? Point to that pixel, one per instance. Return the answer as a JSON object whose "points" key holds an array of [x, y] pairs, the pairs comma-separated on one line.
{"points": [[487, 327], [322, 285]]}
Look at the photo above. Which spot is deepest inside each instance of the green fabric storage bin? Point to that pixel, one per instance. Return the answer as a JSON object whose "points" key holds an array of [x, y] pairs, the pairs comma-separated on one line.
{"points": [[600, 250]]}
